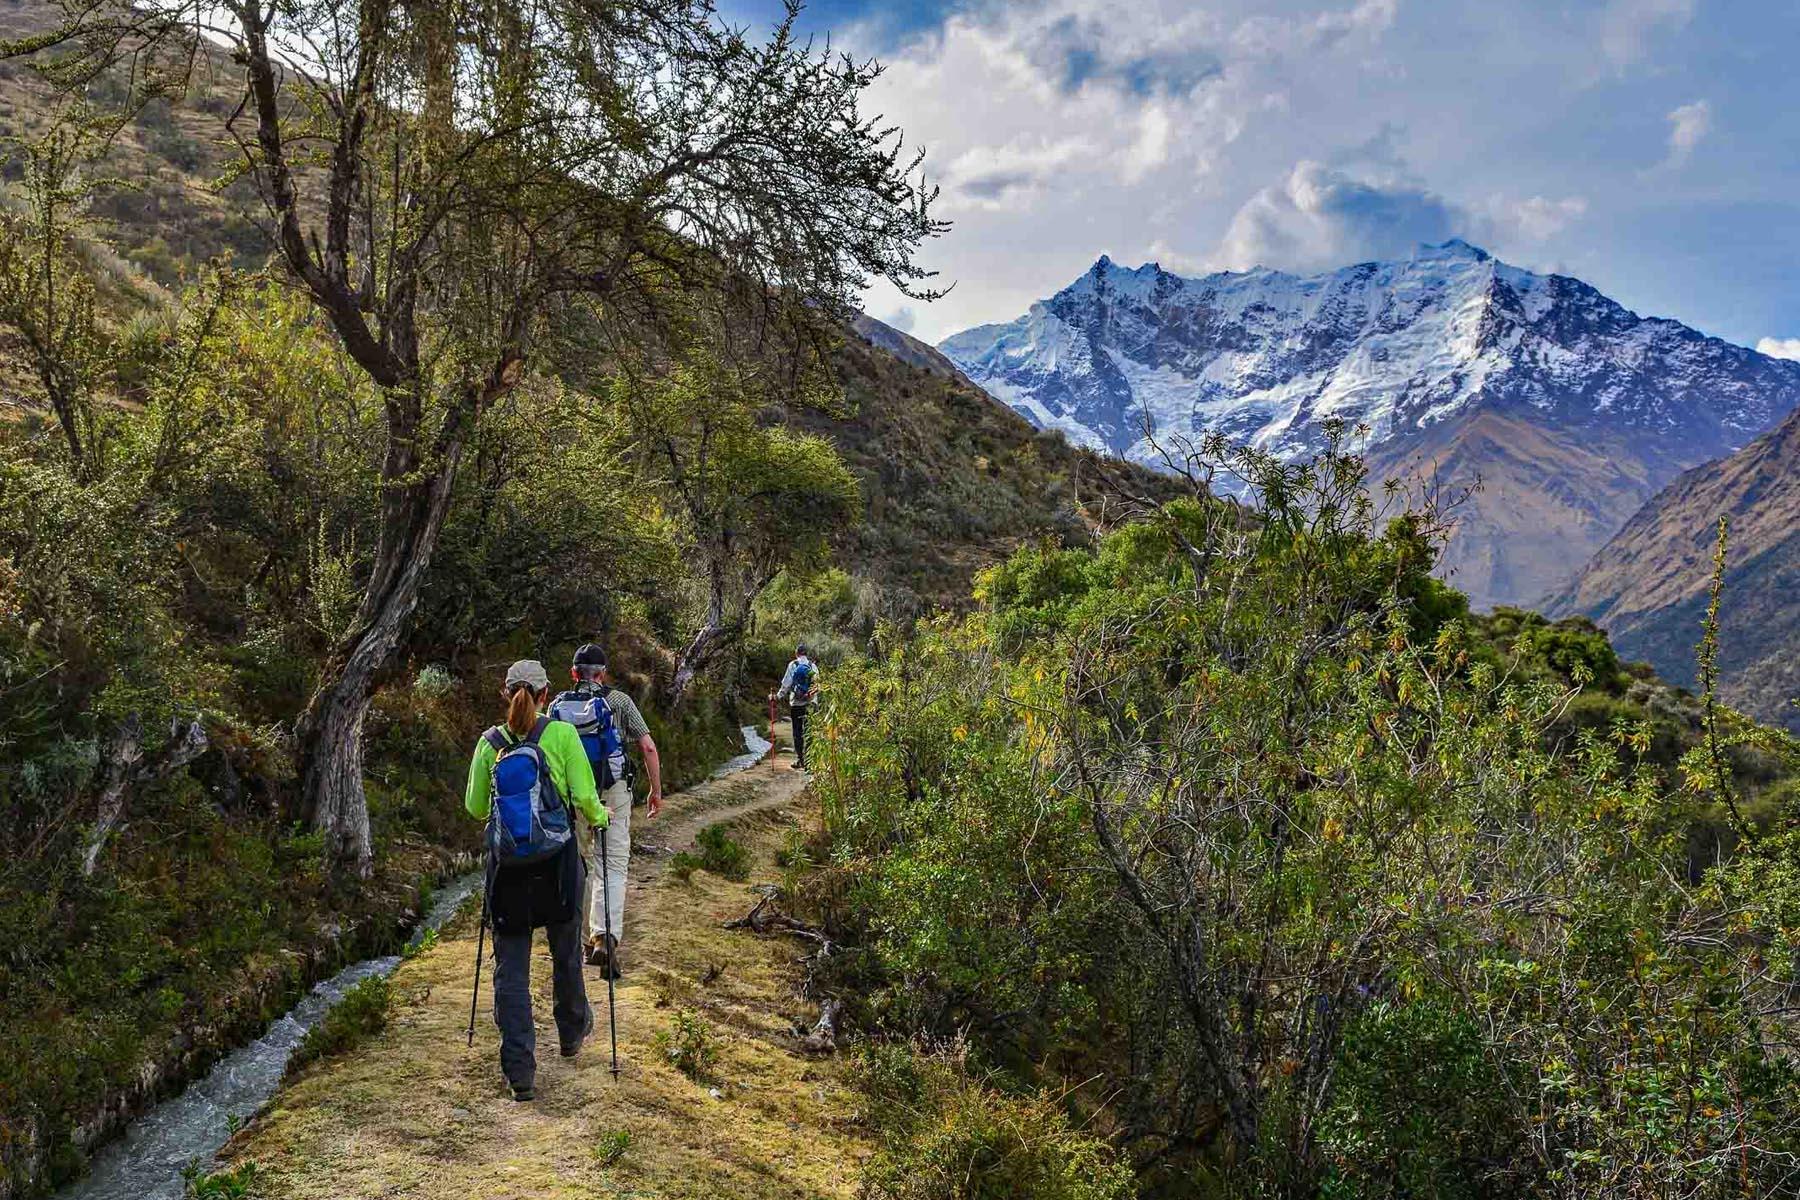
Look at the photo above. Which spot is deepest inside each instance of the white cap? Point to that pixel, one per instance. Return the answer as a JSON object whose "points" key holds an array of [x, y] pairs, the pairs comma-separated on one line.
{"points": [[530, 672]]}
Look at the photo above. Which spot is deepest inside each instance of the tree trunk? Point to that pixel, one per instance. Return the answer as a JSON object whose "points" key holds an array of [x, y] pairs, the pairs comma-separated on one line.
{"points": [[125, 770], [707, 640], [329, 734]]}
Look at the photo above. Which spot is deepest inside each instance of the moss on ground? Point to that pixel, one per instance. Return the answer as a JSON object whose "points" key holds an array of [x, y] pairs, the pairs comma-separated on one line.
{"points": [[415, 1112]]}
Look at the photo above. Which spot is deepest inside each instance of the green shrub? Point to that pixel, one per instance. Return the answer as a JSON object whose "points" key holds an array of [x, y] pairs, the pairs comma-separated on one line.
{"points": [[683, 865], [611, 1146], [362, 1013], [434, 682], [946, 1137], [689, 1046], [228, 1183], [721, 855], [421, 944], [1418, 1110]]}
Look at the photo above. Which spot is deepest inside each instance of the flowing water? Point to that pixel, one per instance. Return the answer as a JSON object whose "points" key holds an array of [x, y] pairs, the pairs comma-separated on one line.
{"points": [[146, 1163], [756, 747]]}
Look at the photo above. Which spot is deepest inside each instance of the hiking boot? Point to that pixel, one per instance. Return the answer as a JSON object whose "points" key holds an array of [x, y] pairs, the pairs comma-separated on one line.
{"points": [[571, 1049], [523, 1091], [602, 953], [596, 955]]}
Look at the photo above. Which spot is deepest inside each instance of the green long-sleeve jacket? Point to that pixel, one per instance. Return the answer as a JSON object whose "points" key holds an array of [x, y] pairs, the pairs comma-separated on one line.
{"points": [[569, 771]]}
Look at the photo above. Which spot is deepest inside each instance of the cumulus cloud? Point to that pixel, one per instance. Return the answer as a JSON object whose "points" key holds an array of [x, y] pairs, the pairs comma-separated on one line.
{"points": [[902, 318], [1628, 26], [1319, 217], [1780, 347], [1009, 96], [1688, 127]]}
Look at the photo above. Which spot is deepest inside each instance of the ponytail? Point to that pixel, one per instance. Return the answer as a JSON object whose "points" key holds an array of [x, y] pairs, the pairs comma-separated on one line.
{"points": [[521, 710]]}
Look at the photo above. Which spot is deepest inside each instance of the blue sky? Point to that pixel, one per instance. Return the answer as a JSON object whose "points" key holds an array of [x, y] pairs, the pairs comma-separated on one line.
{"points": [[1651, 147]]}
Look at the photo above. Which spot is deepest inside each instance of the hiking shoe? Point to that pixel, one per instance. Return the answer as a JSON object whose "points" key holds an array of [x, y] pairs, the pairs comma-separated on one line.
{"points": [[524, 1091], [571, 1049], [596, 955], [609, 965]]}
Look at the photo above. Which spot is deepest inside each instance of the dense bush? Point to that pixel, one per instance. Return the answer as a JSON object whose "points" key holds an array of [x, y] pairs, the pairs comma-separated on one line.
{"points": [[1325, 885]]}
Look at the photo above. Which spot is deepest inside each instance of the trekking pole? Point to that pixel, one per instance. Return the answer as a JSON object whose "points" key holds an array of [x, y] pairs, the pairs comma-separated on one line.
{"points": [[480, 947], [612, 949]]}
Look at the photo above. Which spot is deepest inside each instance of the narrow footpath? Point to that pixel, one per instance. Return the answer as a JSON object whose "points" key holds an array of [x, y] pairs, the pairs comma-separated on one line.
{"points": [[415, 1112]]}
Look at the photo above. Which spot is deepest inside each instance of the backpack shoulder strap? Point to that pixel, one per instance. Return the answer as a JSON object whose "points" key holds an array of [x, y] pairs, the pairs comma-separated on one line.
{"points": [[537, 730], [497, 739]]}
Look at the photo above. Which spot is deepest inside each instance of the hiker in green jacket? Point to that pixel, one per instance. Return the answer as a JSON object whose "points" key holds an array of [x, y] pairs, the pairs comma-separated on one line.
{"points": [[524, 779]]}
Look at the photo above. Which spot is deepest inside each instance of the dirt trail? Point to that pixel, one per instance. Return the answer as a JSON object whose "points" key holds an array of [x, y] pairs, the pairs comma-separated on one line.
{"points": [[416, 1113]]}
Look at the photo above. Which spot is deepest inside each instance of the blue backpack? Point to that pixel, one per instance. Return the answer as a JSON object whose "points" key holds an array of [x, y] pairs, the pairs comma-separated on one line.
{"points": [[592, 718], [529, 822], [804, 675]]}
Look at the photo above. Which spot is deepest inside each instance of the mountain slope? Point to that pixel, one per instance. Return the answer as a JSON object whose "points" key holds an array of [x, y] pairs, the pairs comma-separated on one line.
{"points": [[1648, 586], [1569, 409], [952, 481]]}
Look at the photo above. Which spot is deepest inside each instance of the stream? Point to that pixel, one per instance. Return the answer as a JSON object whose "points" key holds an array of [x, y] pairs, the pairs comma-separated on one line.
{"points": [[146, 1161], [755, 747]]}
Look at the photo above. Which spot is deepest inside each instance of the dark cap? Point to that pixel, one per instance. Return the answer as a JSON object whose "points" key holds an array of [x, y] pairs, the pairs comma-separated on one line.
{"points": [[800, 650], [590, 655]]}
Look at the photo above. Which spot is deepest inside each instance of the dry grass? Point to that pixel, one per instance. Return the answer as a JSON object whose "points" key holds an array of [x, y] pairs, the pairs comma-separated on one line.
{"points": [[417, 1113]]}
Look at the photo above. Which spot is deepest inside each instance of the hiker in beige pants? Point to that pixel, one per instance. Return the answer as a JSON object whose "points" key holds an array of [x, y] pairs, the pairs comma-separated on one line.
{"points": [[593, 682]]}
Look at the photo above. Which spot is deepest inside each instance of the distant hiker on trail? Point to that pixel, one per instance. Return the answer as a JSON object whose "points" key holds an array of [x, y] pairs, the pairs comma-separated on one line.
{"points": [[608, 721], [523, 780], [799, 686]]}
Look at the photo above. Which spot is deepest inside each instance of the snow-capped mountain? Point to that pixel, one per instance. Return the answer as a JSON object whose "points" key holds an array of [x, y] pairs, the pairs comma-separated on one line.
{"points": [[1571, 410]]}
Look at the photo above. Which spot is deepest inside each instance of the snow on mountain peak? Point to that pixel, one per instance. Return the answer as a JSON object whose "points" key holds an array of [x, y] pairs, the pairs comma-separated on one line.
{"points": [[1123, 359]]}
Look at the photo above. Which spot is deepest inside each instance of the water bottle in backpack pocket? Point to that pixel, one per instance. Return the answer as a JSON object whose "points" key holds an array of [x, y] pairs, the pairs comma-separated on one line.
{"points": [[592, 718], [529, 822]]}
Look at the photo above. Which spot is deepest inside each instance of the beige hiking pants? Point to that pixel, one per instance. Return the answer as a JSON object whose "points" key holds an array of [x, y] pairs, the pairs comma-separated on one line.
{"points": [[617, 799]]}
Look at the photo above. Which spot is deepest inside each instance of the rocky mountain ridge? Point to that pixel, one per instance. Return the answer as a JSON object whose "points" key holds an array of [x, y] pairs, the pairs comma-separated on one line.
{"points": [[1648, 586], [1569, 410]]}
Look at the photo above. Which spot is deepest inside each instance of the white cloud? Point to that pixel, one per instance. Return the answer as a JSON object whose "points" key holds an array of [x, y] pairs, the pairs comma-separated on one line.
{"points": [[1627, 26], [1008, 177], [1688, 127], [1532, 219], [902, 318], [1780, 347], [1320, 217], [1060, 129], [1151, 149]]}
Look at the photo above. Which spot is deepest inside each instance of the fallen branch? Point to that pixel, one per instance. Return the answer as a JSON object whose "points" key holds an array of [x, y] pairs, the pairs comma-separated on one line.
{"points": [[765, 919], [823, 1038]]}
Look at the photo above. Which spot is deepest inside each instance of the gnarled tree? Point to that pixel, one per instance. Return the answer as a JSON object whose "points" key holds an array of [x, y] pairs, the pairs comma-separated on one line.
{"points": [[443, 180]]}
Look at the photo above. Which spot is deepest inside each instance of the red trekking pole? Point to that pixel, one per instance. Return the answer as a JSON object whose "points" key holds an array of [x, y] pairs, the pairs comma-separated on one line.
{"points": [[771, 716]]}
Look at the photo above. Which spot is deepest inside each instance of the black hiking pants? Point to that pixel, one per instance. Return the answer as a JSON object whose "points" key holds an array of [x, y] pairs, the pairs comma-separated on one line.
{"points": [[797, 715], [512, 996]]}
